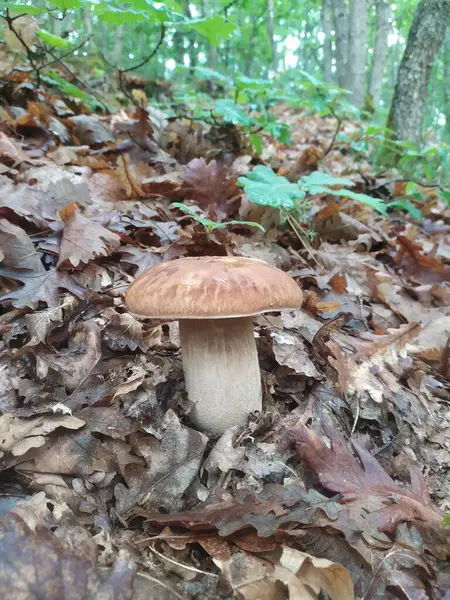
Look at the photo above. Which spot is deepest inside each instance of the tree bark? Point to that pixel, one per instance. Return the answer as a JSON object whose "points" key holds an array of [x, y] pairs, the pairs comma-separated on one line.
{"points": [[425, 37], [118, 44], [327, 42], [341, 38], [357, 51], [383, 14], [447, 86], [270, 31]]}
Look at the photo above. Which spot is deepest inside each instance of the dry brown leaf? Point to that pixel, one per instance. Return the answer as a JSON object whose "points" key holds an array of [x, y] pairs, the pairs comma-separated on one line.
{"points": [[84, 240], [36, 564], [339, 471], [304, 576]]}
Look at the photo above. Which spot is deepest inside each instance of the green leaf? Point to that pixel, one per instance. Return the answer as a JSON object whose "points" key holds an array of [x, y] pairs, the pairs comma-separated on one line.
{"points": [[213, 28], [232, 113], [208, 223], [67, 4], [66, 87], [265, 188], [52, 40], [207, 73], [446, 519], [21, 8], [257, 142], [117, 16], [374, 203], [318, 182], [247, 83], [411, 188], [404, 204], [445, 195]]}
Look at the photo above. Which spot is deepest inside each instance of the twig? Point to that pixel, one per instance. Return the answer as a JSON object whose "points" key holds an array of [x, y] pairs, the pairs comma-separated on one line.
{"points": [[302, 237], [339, 123], [178, 564], [143, 62], [164, 585], [78, 80], [30, 55]]}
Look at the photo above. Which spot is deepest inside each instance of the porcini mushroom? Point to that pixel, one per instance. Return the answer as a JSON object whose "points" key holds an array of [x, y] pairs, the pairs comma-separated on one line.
{"points": [[214, 298]]}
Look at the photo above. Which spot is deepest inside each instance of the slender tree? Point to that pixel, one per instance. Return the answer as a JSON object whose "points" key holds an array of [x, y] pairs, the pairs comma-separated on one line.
{"points": [[383, 14], [327, 42], [357, 51], [341, 27], [425, 37], [270, 31]]}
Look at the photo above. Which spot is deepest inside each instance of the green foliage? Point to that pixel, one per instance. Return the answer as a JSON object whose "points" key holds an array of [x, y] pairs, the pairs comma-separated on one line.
{"points": [[214, 29], [52, 40], [446, 520], [232, 113], [265, 188], [210, 225]]}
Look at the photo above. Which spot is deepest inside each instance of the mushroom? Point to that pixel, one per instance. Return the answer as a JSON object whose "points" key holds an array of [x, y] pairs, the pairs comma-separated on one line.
{"points": [[214, 298]]}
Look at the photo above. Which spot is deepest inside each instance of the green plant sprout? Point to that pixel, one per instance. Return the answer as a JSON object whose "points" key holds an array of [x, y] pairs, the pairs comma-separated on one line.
{"points": [[210, 225]]}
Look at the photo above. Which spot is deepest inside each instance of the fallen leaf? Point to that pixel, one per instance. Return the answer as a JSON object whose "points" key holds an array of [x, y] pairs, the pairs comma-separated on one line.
{"points": [[172, 464], [205, 183], [304, 576], [339, 471], [40, 287], [83, 240], [35, 564]]}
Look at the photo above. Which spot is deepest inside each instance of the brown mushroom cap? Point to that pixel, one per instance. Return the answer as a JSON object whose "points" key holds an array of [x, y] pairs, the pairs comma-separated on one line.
{"points": [[212, 287]]}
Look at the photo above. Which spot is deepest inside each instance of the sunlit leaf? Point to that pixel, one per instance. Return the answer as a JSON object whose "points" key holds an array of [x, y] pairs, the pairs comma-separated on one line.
{"points": [[263, 187], [52, 40], [213, 28], [232, 113]]}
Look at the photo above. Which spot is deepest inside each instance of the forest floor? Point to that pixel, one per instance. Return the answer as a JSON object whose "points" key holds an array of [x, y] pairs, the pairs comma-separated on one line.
{"points": [[340, 485]]}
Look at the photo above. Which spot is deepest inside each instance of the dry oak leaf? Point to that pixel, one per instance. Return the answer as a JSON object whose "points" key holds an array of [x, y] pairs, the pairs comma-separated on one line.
{"points": [[205, 183], [83, 240], [40, 287], [271, 510], [338, 470], [21, 262], [35, 564], [17, 436], [304, 576], [122, 331], [172, 463]]}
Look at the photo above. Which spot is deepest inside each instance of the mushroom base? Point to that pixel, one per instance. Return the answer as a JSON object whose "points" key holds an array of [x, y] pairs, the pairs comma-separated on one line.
{"points": [[221, 371]]}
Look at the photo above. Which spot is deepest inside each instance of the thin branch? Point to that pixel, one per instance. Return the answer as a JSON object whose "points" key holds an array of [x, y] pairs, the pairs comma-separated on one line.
{"points": [[133, 68], [78, 80], [339, 123], [68, 53]]}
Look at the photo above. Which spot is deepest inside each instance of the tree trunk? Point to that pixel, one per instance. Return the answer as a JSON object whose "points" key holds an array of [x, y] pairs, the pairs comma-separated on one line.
{"points": [[270, 31], [447, 86], [383, 9], [327, 42], [425, 37], [341, 28], [357, 51], [118, 44]]}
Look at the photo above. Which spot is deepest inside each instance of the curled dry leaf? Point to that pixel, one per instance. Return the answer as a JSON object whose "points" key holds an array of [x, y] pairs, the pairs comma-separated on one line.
{"points": [[20, 435], [290, 351], [304, 577]]}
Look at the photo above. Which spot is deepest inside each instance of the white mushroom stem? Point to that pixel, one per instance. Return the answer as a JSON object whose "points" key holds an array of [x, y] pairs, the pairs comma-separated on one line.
{"points": [[221, 371]]}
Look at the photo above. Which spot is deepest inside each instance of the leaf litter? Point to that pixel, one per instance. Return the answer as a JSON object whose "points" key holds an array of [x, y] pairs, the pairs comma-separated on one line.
{"points": [[339, 487]]}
